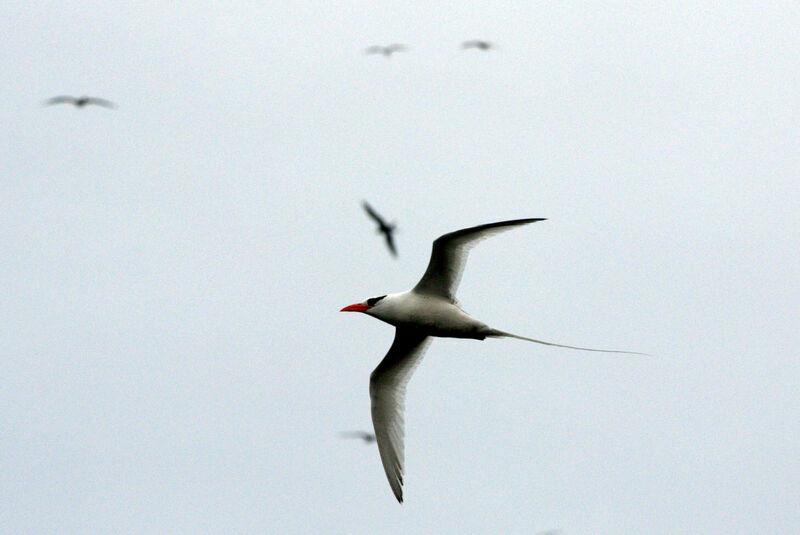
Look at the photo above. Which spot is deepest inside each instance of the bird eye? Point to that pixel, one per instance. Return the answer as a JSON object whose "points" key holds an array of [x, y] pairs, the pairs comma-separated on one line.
{"points": [[373, 300]]}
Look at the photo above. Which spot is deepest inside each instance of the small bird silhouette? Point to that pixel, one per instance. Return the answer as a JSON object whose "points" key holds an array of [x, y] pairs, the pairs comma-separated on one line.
{"points": [[386, 50], [79, 102], [481, 45], [383, 227], [368, 438]]}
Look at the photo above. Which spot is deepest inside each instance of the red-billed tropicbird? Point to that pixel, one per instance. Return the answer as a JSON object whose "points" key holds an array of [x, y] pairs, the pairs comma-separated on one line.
{"points": [[429, 309]]}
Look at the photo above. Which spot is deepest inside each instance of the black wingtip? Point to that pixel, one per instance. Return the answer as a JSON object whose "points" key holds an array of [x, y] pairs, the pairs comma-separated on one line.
{"points": [[526, 220]]}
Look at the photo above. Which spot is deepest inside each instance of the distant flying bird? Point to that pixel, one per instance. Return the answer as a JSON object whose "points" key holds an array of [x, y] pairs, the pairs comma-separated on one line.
{"points": [[383, 227], [369, 438], [427, 310], [386, 50], [79, 102], [482, 45]]}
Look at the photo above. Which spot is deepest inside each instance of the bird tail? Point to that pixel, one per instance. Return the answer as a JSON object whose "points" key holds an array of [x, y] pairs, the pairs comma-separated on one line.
{"points": [[494, 333]]}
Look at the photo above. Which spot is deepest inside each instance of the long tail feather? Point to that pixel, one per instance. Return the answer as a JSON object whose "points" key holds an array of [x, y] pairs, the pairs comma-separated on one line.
{"points": [[500, 334]]}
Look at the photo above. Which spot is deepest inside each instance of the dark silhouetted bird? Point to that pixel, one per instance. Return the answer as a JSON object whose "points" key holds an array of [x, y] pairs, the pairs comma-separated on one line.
{"points": [[481, 45], [383, 227], [369, 438], [386, 50], [79, 102]]}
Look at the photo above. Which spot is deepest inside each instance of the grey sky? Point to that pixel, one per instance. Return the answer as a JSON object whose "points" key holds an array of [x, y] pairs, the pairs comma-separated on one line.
{"points": [[172, 356]]}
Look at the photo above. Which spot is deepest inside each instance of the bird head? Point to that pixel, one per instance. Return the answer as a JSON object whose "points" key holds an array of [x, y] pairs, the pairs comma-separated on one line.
{"points": [[364, 306]]}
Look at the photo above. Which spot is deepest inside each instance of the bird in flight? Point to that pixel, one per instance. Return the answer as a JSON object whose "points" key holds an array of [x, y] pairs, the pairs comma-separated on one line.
{"points": [[481, 45], [386, 50], [79, 102], [427, 310], [383, 227], [369, 438]]}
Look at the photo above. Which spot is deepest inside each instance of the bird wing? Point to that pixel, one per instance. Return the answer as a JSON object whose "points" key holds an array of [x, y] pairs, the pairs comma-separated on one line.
{"points": [[390, 242], [363, 435], [60, 100], [396, 47], [373, 214], [449, 255], [387, 389], [100, 102], [374, 49]]}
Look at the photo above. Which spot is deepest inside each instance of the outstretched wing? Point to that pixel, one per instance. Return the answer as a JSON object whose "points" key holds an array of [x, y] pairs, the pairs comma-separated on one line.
{"points": [[100, 102], [61, 99], [373, 214], [374, 49], [390, 242], [449, 255], [387, 389]]}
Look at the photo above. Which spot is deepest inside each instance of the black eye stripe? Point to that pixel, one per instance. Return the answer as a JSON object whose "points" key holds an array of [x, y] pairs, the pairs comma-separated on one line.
{"points": [[373, 300]]}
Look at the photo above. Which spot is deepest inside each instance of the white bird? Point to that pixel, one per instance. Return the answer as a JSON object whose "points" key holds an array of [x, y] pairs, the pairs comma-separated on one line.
{"points": [[429, 309]]}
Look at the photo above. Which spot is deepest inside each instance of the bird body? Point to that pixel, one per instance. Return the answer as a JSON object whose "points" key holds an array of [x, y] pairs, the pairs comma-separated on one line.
{"points": [[427, 310], [430, 315]]}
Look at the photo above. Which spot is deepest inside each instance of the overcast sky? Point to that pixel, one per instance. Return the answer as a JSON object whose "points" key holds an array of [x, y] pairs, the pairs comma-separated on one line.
{"points": [[172, 358]]}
